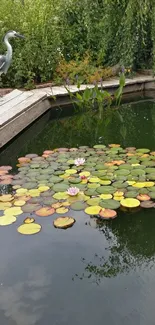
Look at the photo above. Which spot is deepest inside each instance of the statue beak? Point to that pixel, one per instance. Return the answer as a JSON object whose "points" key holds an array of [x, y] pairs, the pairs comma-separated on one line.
{"points": [[19, 35]]}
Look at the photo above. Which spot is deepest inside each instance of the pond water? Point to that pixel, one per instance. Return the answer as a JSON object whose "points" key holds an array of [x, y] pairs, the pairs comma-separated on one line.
{"points": [[87, 274]]}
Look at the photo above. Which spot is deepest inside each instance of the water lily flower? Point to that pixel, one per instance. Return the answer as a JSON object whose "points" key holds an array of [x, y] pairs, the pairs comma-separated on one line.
{"points": [[79, 161], [73, 191], [83, 177]]}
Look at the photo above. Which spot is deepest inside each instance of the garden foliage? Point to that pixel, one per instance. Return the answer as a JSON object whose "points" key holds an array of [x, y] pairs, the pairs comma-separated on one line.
{"points": [[69, 37]]}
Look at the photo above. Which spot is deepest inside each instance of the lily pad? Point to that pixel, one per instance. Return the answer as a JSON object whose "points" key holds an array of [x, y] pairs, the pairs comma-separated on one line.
{"points": [[105, 190], [30, 207], [64, 222], [62, 210], [29, 220], [7, 220], [147, 204], [110, 204], [45, 212], [130, 203], [78, 206], [60, 187], [29, 229], [93, 210], [107, 214], [94, 201]]}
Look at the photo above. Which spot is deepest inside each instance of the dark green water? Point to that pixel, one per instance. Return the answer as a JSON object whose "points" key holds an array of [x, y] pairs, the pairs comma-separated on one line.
{"points": [[90, 273]]}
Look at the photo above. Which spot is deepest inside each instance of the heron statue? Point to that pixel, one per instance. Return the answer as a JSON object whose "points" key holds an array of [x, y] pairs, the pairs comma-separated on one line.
{"points": [[5, 60]]}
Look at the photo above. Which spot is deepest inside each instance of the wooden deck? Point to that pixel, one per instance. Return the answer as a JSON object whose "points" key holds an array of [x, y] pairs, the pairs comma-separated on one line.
{"points": [[19, 109]]}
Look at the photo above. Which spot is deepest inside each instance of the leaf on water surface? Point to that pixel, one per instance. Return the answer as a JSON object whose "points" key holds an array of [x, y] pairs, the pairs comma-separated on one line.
{"points": [[7, 220], [6, 198], [45, 212], [93, 210], [107, 214], [29, 229], [130, 203], [13, 211], [29, 220], [64, 222], [62, 210]]}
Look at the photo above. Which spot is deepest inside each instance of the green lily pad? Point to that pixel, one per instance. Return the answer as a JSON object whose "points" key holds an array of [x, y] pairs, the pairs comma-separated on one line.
{"points": [[105, 190], [55, 179], [143, 150], [60, 187], [30, 207], [99, 146], [144, 190], [94, 201], [74, 180], [91, 192], [151, 177], [137, 172], [110, 204], [122, 172], [78, 206], [131, 194], [152, 195], [120, 185], [30, 185]]}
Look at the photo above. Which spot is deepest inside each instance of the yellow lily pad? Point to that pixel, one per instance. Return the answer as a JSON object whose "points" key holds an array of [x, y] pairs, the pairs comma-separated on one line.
{"points": [[43, 188], [19, 203], [62, 210], [13, 211], [6, 198], [63, 222], [102, 182], [60, 196], [93, 185], [130, 203], [29, 229], [93, 210], [34, 193], [118, 198], [134, 165], [149, 184], [7, 220], [139, 184], [131, 182], [94, 180], [29, 220], [118, 193], [85, 173], [21, 191], [65, 204], [64, 176], [70, 171], [5, 205], [105, 196]]}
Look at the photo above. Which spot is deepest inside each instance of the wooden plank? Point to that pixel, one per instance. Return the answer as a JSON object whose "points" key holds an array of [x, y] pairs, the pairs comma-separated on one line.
{"points": [[10, 96], [9, 130], [14, 102], [21, 107]]}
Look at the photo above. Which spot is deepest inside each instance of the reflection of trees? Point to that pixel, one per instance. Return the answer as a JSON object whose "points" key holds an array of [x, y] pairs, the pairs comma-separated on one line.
{"points": [[130, 245]]}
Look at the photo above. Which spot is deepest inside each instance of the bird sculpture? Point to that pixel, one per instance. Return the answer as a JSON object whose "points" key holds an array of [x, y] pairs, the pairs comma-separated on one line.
{"points": [[5, 60]]}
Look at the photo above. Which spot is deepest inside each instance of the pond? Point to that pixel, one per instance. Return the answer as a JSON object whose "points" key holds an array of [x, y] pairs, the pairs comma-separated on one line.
{"points": [[92, 272]]}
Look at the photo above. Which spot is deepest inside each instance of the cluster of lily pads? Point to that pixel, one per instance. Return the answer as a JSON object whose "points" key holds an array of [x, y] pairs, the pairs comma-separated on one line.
{"points": [[96, 180]]}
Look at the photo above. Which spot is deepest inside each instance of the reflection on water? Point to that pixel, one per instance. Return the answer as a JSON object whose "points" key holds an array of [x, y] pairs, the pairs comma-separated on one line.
{"points": [[21, 301], [96, 271]]}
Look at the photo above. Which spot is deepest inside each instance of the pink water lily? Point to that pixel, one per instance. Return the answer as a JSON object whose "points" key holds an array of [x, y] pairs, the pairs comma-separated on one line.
{"points": [[83, 177], [73, 191], [79, 161]]}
